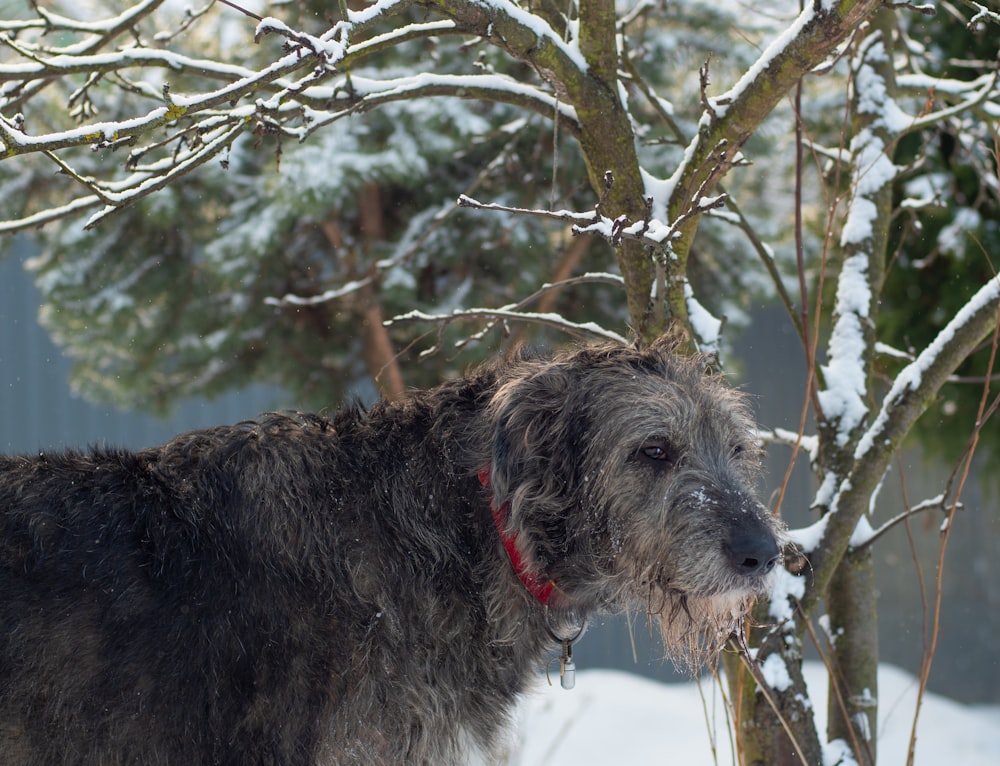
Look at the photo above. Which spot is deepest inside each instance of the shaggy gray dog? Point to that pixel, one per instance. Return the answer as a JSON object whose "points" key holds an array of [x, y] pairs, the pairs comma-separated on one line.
{"points": [[377, 587]]}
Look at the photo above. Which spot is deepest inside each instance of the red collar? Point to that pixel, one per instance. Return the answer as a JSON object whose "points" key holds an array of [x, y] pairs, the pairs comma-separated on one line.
{"points": [[539, 588]]}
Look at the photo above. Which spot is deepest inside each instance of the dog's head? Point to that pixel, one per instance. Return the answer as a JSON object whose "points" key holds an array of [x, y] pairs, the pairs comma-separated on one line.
{"points": [[628, 474]]}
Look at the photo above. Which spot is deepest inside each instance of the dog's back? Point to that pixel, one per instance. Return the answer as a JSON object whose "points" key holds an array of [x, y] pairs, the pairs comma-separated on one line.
{"points": [[142, 623]]}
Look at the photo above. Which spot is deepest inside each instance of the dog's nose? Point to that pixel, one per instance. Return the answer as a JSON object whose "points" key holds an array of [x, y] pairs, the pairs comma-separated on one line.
{"points": [[752, 551]]}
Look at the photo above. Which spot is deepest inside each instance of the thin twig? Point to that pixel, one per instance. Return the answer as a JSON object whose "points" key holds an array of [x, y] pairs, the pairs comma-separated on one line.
{"points": [[982, 415], [903, 518], [242, 10], [512, 312]]}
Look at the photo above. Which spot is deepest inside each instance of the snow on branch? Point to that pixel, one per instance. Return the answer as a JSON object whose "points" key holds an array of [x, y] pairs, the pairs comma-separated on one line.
{"points": [[212, 144], [842, 399], [649, 231], [520, 31], [706, 327], [937, 503], [982, 93], [865, 447], [49, 22], [578, 329], [808, 442], [907, 399], [42, 217], [515, 312], [358, 94], [982, 13], [275, 99], [41, 65], [729, 119], [918, 382], [324, 297]]}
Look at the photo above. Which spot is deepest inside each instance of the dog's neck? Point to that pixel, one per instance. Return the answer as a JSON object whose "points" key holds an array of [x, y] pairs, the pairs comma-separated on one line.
{"points": [[539, 587]]}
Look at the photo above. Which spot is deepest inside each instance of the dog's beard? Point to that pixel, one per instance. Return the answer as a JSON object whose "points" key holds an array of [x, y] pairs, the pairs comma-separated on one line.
{"points": [[694, 629]]}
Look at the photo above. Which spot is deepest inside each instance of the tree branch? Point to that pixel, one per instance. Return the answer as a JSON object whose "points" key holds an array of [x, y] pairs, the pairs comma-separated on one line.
{"points": [[650, 233], [732, 117], [362, 94], [910, 395], [578, 329]]}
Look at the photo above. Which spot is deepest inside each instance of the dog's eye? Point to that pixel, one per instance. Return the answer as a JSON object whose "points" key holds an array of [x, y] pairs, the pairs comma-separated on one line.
{"points": [[737, 451], [657, 452]]}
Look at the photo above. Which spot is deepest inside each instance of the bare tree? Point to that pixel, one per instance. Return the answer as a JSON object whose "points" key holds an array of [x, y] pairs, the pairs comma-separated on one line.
{"points": [[591, 71]]}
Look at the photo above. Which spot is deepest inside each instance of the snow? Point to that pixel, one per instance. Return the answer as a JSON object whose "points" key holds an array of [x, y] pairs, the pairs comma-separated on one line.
{"points": [[838, 753], [809, 538], [863, 532], [707, 328], [451, 83], [659, 190], [541, 29], [874, 172], [910, 376], [93, 133], [785, 587], [952, 238], [828, 630], [843, 398], [555, 320], [775, 673], [612, 717], [371, 12], [808, 442], [873, 98], [924, 82], [134, 56], [347, 288]]}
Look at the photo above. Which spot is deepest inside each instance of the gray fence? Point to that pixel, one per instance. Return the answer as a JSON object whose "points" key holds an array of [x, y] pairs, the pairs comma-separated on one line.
{"points": [[37, 408]]}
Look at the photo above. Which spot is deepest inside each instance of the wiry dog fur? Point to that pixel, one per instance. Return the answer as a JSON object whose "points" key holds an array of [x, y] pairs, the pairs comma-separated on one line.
{"points": [[298, 590]]}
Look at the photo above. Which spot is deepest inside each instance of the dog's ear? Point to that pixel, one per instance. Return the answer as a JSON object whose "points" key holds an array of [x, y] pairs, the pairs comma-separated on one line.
{"points": [[538, 427]]}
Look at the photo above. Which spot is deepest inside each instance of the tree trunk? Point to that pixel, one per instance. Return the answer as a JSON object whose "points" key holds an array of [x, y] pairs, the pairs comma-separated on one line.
{"points": [[851, 594], [380, 356], [774, 722], [609, 146], [852, 702]]}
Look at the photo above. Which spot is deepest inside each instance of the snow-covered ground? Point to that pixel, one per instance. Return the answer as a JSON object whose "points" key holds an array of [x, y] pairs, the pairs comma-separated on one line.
{"points": [[613, 718]]}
